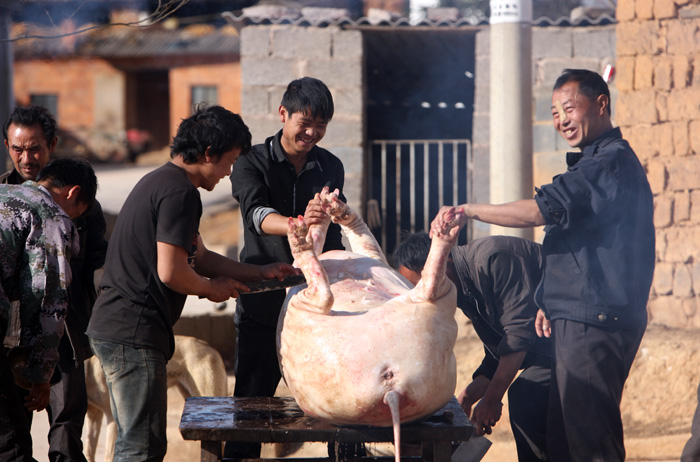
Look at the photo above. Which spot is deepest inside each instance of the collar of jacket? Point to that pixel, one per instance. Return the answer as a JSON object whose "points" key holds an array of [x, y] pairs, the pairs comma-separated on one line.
{"points": [[606, 138]]}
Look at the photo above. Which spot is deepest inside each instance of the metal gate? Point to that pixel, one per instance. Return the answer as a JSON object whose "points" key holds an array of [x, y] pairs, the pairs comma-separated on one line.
{"points": [[409, 180]]}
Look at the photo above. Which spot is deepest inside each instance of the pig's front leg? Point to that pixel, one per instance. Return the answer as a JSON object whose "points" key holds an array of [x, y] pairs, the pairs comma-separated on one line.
{"points": [[434, 283], [361, 239], [317, 294]]}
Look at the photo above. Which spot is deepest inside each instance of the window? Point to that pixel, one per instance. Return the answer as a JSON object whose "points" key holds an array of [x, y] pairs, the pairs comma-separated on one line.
{"points": [[46, 100], [204, 94]]}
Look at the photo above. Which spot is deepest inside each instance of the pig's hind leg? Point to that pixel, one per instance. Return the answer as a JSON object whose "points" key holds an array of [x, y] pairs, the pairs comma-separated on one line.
{"points": [[361, 239], [317, 294], [434, 282]]}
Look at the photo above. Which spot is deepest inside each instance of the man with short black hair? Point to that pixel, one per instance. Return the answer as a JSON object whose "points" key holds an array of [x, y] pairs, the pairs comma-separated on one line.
{"points": [[37, 239], [30, 135], [599, 250], [155, 259], [278, 180], [496, 277]]}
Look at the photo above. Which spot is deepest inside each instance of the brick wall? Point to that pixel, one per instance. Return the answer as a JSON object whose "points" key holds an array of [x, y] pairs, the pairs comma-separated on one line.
{"points": [[658, 109], [226, 77], [273, 56]]}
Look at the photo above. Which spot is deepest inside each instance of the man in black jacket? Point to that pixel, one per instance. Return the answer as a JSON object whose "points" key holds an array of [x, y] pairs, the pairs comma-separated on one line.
{"points": [[30, 137], [278, 179], [496, 278]]}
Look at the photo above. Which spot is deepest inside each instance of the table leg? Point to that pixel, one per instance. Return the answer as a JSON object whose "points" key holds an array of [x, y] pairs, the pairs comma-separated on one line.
{"points": [[211, 451], [443, 451]]}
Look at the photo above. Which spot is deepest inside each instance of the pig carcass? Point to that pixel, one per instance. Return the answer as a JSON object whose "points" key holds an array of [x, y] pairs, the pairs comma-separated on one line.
{"points": [[358, 344]]}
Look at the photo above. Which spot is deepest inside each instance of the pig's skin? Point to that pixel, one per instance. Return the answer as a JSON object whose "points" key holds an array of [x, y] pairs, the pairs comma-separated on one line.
{"points": [[342, 350]]}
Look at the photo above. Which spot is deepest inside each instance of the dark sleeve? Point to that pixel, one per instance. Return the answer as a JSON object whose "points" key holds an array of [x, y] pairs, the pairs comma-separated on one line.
{"points": [[334, 237], [96, 244], [572, 199], [488, 366], [248, 187], [512, 293], [178, 218]]}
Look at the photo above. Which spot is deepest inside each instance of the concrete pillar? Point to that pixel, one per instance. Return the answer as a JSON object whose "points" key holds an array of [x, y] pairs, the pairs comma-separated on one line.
{"points": [[6, 71], [511, 106]]}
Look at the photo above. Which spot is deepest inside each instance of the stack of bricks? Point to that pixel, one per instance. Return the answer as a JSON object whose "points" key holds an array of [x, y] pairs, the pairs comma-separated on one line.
{"points": [[658, 109]]}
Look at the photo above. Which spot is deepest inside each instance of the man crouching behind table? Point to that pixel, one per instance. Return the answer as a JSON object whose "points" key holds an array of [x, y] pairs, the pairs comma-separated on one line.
{"points": [[155, 259]]}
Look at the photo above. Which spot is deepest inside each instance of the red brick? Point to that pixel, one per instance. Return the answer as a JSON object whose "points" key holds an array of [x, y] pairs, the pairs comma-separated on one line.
{"points": [[683, 173], [638, 37], [663, 279], [695, 212], [662, 106], [681, 141], [644, 9], [681, 71], [663, 73], [643, 72], [682, 282], [624, 70], [681, 206], [664, 9], [656, 173], [683, 36], [638, 107], [694, 130], [663, 211], [625, 10]]}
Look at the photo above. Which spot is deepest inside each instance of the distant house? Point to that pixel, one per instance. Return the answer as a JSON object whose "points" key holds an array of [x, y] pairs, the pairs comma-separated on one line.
{"points": [[113, 85]]}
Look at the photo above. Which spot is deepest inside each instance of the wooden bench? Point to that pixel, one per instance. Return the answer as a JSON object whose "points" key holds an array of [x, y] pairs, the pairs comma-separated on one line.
{"points": [[279, 420]]}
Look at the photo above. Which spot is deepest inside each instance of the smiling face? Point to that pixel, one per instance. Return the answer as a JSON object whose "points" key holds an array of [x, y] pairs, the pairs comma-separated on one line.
{"points": [[300, 132], [28, 149], [578, 119]]}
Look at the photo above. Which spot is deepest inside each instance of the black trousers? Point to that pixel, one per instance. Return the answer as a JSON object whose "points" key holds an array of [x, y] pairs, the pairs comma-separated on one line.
{"points": [[15, 435], [591, 365], [691, 450], [67, 408], [528, 398], [257, 373]]}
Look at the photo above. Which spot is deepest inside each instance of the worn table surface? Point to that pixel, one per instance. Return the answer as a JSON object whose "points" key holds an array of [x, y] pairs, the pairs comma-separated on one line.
{"points": [[277, 420]]}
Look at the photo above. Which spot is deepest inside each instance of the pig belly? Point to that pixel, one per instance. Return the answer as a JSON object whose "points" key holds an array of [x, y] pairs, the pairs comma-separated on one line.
{"points": [[340, 366]]}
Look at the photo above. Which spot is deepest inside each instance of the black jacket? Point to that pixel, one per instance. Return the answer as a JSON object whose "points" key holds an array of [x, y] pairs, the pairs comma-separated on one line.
{"points": [[599, 245]]}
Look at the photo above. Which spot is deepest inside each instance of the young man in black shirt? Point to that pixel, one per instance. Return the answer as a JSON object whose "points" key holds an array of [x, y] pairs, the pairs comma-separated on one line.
{"points": [[277, 180], [155, 259]]}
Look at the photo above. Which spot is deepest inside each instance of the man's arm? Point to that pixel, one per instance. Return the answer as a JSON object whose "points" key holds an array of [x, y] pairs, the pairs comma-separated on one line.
{"points": [[488, 411], [524, 213]]}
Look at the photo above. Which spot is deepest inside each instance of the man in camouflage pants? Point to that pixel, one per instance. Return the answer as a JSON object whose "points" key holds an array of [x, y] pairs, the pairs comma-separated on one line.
{"points": [[37, 239]]}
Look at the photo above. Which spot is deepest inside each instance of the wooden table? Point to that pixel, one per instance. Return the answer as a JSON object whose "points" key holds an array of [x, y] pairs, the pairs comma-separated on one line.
{"points": [[279, 420]]}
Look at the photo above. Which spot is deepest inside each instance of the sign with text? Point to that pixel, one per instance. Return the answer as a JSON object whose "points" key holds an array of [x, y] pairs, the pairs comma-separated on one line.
{"points": [[510, 11]]}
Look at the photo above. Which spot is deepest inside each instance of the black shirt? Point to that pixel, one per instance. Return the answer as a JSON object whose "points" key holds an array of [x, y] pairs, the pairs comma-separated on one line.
{"points": [[134, 306], [264, 178]]}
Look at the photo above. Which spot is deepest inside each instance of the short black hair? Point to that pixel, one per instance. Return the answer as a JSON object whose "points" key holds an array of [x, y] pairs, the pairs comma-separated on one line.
{"points": [[590, 83], [412, 252], [310, 97], [211, 127], [71, 172], [27, 116]]}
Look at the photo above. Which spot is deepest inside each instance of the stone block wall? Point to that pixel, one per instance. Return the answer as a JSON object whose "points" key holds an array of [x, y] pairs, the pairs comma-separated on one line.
{"points": [[658, 109], [553, 50], [273, 56]]}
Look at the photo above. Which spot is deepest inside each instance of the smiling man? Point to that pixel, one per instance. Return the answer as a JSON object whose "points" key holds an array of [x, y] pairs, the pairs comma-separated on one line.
{"points": [[156, 258], [277, 180], [599, 251]]}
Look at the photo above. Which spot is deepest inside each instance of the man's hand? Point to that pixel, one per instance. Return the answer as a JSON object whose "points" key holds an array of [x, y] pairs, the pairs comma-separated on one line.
{"points": [[542, 325], [473, 393], [486, 414], [315, 213], [278, 271], [222, 288], [38, 397], [446, 216]]}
